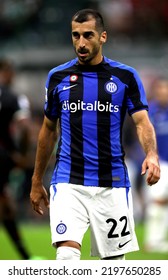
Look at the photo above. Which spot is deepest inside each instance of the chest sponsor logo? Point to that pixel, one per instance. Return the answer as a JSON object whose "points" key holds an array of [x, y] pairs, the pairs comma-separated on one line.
{"points": [[87, 106]]}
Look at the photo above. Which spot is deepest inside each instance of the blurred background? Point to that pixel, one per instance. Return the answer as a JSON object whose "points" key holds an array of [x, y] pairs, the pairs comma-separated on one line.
{"points": [[36, 36]]}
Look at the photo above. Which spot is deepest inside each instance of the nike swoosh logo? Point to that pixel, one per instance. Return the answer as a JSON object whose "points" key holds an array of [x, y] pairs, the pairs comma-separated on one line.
{"points": [[65, 87], [123, 244]]}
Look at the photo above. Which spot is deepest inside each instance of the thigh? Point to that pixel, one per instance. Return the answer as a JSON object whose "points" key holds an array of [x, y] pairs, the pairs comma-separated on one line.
{"points": [[68, 215], [112, 223]]}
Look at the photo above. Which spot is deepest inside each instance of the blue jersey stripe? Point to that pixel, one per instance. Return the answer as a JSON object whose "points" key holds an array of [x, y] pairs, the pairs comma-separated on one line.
{"points": [[90, 130], [65, 151]]}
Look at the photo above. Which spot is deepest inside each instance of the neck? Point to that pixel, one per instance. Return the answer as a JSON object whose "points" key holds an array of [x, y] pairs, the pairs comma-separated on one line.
{"points": [[93, 62]]}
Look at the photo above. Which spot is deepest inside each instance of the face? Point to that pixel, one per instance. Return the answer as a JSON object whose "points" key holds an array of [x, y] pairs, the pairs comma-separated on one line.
{"points": [[87, 42]]}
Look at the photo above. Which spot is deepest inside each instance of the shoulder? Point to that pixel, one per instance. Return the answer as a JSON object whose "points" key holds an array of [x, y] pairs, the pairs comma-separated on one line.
{"points": [[120, 65], [62, 67]]}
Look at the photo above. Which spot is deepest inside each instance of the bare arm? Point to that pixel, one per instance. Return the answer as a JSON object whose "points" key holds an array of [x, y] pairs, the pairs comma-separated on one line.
{"points": [[46, 142], [147, 139]]}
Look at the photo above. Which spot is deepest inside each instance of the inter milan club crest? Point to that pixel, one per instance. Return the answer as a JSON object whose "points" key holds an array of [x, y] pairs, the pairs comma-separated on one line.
{"points": [[73, 78], [61, 228], [111, 87]]}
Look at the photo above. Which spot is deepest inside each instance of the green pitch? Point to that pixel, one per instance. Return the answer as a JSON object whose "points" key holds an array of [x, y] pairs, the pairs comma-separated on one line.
{"points": [[37, 239]]}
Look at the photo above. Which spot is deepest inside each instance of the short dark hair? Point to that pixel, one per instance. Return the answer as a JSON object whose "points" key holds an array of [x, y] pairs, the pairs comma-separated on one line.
{"points": [[86, 14]]}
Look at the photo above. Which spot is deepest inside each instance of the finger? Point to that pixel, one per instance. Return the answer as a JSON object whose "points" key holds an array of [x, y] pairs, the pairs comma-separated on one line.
{"points": [[153, 176], [151, 179], [144, 168], [37, 209]]}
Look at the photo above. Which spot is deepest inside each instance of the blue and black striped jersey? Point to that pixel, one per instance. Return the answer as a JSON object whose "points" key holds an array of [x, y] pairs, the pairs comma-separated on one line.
{"points": [[91, 103]]}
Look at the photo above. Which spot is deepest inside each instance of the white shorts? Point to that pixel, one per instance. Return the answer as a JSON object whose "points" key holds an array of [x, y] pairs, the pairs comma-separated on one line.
{"points": [[107, 211]]}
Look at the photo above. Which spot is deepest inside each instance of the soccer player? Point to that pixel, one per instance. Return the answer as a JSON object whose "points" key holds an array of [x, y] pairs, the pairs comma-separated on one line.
{"points": [[14, 144], [156, 224], [14, 112], [88, 97]]}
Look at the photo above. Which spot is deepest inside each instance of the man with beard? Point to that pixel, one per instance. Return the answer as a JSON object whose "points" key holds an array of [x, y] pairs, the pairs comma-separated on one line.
{"points": [[88, 97]]}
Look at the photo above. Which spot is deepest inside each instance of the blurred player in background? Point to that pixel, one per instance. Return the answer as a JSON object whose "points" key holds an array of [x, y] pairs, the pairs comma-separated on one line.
{"points": [[89, 97], [14, 144], [156, 225]]}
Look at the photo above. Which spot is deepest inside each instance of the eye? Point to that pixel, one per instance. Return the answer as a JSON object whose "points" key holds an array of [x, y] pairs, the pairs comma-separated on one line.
{"points": [[75, 35], [88, 35]]}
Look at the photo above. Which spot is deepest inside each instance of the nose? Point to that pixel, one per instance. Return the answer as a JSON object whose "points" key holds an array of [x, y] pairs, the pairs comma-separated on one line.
{"points": [[82, 42]]}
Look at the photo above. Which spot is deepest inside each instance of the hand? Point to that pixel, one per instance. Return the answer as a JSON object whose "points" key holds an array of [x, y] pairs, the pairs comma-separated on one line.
{"points": [[151, 164], [37, 194]]}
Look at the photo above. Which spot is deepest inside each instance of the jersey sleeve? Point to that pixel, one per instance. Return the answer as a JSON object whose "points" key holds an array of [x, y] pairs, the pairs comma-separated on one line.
{"points": [[136, 96]]}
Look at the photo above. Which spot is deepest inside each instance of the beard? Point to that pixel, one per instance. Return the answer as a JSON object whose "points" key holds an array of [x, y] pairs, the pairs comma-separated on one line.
{"points": [[85, 56]]}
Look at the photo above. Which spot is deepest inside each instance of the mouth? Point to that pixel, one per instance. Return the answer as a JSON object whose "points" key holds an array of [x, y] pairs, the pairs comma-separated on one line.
{"points": [[82, 53]]}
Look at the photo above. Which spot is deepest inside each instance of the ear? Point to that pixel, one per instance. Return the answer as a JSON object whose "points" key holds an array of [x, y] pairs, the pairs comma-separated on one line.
{"points": [[103, 37]]}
